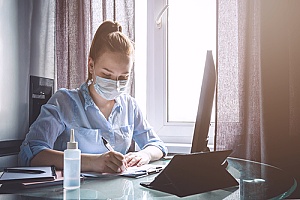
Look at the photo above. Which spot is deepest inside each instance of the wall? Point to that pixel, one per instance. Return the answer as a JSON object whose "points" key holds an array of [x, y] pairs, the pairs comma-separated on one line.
{"points": [[26, 48]]}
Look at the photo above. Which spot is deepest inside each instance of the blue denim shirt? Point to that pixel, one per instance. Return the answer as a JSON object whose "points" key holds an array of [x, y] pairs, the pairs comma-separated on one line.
{"points": [[75, 109]]}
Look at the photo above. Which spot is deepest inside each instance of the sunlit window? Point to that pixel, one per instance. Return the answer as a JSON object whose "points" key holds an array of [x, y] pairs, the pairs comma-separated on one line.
{"points": [[191, 32], [170, 62]]}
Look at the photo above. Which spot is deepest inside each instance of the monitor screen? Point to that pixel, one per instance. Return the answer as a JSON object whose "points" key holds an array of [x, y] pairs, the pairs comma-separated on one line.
{"points": [[200, 137]]}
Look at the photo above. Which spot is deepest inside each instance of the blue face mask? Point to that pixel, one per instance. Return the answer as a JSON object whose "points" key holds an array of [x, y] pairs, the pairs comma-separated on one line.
{"points": [[109, 89]]}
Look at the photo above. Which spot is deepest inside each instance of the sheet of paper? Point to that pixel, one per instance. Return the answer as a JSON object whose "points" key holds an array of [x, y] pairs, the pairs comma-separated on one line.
{"points": [[130, 172]]}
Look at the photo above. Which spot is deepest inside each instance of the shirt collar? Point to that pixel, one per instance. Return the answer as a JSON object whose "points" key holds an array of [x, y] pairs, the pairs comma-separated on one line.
{"points": [[118, 104], [90, 102]]}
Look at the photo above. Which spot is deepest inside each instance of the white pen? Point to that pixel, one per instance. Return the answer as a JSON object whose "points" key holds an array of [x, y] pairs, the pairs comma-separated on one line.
{"points": [[107, 145]]}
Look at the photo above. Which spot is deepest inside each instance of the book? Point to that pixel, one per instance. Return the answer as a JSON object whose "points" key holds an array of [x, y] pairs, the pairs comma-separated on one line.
{"points": [[28, 174], [36, 184]]}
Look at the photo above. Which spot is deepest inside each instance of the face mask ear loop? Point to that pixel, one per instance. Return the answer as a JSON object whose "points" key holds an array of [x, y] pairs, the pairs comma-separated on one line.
{"points": [[118, 84], [94, 75]]}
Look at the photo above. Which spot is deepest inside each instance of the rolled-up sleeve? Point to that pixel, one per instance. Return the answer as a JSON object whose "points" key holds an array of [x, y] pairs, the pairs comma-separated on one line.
{"points": [[28, 150], [144, 135], [150, 138], [43, 132]]}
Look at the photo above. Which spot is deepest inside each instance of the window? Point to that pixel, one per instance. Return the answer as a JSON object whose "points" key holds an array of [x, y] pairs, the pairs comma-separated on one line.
{"points": [[175, 54]]}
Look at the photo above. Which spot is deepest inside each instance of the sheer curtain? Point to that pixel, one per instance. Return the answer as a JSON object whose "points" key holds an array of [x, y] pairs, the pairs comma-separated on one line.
{"points": [[76, 23], [238, 89], [258, 96]]}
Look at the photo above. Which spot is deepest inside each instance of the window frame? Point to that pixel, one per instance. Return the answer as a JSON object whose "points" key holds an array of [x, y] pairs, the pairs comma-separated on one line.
{"points": [[157, 79], [177, 135]]}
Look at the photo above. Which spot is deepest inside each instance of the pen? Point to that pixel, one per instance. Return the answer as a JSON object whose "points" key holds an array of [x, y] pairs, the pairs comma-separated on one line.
{"points": [[107, 145], [142, 173], [25, 171], [150, 171], [154, 170]]}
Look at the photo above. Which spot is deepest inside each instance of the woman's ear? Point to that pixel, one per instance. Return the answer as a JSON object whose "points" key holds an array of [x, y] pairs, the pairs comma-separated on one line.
{"points": [[90, 65]]}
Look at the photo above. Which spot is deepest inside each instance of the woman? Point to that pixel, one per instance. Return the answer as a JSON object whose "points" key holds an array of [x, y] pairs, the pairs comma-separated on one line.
{"points": [[99, 108]]}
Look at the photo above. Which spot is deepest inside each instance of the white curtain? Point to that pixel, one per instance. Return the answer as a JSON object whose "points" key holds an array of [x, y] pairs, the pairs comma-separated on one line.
{"points": [[238, 89]]}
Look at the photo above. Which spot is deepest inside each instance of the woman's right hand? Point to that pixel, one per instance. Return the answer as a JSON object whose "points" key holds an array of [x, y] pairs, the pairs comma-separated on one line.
{"points": [[109, 162]]}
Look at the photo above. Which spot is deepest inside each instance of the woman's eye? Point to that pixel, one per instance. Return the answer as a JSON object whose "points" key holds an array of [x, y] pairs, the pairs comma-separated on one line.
{"points": [[123, 77], [106, 75]]}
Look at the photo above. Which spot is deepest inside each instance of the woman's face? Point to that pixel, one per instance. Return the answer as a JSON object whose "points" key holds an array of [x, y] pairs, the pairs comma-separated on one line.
{"points": [[111, 65]]}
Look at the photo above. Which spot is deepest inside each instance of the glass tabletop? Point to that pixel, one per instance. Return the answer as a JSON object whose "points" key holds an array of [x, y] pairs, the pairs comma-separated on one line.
{"points": [[260, 181], [256, 181]]}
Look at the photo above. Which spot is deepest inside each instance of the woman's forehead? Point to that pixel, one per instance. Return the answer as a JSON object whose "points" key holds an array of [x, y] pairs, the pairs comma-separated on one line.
{"points": [[114, 61]]}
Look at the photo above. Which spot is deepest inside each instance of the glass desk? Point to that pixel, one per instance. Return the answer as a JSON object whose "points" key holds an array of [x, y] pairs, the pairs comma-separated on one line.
{"points": [[257, 181]]}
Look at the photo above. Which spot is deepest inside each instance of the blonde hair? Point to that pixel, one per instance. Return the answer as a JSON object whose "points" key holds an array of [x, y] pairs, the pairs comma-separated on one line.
{"points": [[109, 37]]}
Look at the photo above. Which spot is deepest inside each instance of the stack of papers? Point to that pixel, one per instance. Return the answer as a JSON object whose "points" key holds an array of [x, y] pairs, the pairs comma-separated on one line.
{"points": [[30, 177], [27, 174]]}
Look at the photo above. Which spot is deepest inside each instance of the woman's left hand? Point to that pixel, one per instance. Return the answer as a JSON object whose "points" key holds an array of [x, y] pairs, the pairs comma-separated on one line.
{"points": [[137, 158]]}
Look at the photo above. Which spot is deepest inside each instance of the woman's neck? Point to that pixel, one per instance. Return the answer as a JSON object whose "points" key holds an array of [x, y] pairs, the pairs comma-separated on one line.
{"points": [[105, 106]]}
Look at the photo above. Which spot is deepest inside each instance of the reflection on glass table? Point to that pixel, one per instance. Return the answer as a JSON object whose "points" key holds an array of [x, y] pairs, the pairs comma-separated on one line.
{"points": [[256, 181]]}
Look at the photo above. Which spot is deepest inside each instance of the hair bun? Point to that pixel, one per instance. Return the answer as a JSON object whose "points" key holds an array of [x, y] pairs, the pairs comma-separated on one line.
{"points": [[117, 27], [110, 27]]}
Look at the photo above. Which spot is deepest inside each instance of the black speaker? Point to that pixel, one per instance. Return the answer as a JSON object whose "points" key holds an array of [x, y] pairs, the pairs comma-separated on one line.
{"points": [[40, 91]]}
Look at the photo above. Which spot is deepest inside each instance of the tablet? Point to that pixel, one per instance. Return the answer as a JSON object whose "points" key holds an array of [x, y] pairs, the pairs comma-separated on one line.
{"points": [[194, 173]]}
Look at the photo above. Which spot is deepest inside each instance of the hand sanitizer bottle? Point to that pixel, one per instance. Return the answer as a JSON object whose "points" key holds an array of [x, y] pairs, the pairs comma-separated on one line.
{"points": [[72, 163]]}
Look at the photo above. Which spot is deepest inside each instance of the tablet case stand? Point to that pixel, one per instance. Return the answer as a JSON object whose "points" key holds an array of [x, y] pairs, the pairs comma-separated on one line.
{"points": [[194, 173]]}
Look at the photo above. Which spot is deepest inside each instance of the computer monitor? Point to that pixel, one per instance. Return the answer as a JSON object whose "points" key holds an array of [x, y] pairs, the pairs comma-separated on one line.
{"points": [[200, 137]]}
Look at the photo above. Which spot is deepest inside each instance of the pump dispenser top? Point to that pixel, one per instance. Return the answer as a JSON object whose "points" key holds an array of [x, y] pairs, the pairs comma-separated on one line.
{"points": [[72, 144]]}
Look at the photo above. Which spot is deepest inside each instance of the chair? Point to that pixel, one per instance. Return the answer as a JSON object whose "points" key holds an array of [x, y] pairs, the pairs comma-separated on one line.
{"points": [[9, 150]]}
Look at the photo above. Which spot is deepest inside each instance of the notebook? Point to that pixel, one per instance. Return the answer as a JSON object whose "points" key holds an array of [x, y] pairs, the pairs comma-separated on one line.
{"points": [[194, 173], [27, 174]]}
